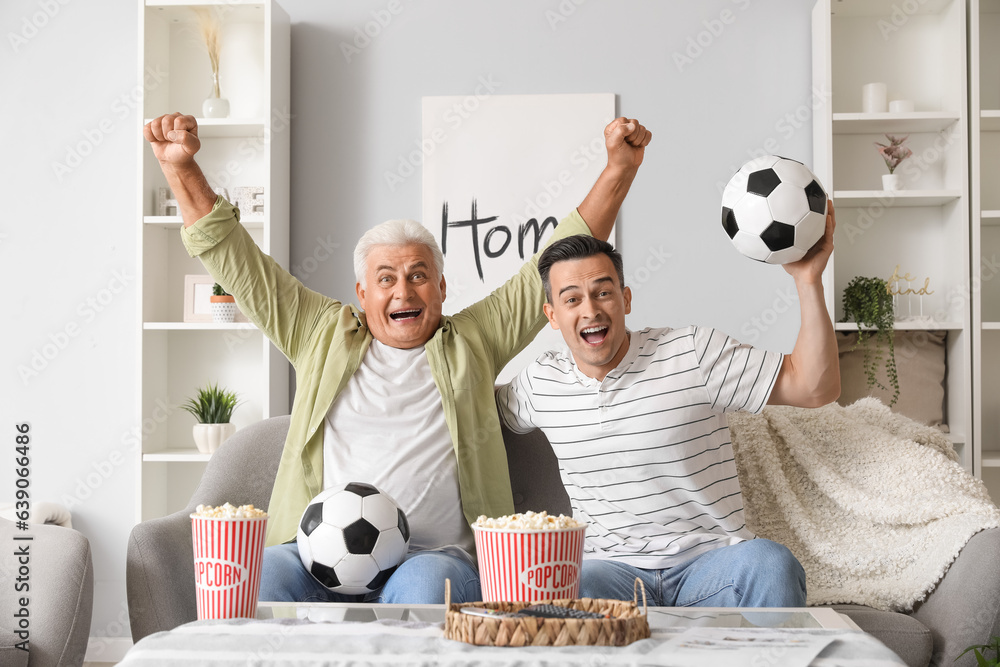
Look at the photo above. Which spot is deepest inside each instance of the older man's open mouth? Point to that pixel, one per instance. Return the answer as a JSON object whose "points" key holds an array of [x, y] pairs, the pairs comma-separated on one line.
{"points": [[404, 315]]}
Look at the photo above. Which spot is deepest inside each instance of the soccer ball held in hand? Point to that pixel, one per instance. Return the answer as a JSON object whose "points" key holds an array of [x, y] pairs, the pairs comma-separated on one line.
{"points": [[774, 210]]}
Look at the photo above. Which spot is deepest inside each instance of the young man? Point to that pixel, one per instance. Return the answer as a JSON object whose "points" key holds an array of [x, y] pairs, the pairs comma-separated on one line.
{"points": [[637, 421], [395, 394]]}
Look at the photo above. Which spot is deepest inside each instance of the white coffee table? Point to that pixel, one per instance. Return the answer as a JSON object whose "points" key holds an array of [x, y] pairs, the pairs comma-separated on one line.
{"points": [[287, 634]]}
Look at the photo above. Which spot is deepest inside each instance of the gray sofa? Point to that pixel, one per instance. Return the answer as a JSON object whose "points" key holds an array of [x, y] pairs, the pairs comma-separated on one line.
{"points": [[60, 597], [963, 610]]}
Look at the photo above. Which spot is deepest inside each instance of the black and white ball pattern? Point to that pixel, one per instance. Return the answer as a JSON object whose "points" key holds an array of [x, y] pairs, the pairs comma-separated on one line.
{"points": [[352, 537], [774, 210]]}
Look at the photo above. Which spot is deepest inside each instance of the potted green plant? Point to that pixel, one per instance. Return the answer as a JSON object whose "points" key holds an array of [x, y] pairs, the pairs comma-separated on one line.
{"points": [[213, 408], [893, 153], [980, 649], [868, 303], [223, 305]]}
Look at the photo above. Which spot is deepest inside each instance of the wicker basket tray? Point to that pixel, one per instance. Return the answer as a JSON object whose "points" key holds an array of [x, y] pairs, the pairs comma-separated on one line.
{"points": [[627, 625]]}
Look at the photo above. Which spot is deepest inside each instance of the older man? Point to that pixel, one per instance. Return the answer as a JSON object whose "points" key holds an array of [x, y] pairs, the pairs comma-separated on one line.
{"points": [[637, 421], [394, 394]]}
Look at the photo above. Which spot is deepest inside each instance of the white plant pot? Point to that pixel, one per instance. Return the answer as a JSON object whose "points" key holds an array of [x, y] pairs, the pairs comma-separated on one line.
{"points": [[208, 437], [223, 311], [892, 182]]}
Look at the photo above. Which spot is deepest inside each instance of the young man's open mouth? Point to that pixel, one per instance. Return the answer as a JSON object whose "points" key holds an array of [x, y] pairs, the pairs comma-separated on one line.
{"points": [[594, 335]]}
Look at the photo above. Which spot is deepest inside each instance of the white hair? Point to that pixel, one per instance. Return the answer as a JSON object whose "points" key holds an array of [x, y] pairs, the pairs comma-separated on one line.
{"points": [[395, 233]]}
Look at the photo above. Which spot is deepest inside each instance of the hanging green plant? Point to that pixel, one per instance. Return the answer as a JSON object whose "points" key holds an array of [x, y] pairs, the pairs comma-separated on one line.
{"points": [[867, 302]]}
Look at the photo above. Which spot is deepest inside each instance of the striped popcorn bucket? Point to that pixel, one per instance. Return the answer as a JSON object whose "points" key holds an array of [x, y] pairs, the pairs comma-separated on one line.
{"points": [[529, 565], [227, 565]]}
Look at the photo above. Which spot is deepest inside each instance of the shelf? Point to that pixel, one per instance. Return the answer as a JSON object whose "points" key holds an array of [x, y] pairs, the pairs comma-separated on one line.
{"points": [[991, 326], [165, 221], [989, 218], [177, 456], [227, 127], [196, 326], [989, 121], [865, 198], [893, 123], [991, 460], [907, 326], [883, 8], [178, 11], [176, 222]]}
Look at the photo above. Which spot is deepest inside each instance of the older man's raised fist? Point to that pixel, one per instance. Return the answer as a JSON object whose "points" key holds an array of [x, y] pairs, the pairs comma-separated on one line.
{"points": [[174, 138]]}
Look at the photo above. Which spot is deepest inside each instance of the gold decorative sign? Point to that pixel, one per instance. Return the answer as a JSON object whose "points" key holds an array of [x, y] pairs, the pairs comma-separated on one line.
{"points": [[894, 288]]}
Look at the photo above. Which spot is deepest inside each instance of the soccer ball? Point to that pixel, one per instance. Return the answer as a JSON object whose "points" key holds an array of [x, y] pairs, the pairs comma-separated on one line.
{"points": [[352, 537], [774, 210]]}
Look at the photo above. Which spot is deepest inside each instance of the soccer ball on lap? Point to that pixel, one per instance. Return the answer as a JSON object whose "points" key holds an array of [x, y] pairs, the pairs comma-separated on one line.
{"points": [[774, 210], [352, 537]]}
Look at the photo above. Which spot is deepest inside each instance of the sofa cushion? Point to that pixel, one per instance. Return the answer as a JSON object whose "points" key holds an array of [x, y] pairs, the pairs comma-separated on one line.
{"points": [[534, 474], [9, 655], [905, 635], [920, 366]]}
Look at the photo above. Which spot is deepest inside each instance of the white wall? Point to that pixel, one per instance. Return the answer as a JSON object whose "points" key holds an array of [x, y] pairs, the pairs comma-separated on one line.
{"points": [[67, 264], [69, 236], [354, 121]]}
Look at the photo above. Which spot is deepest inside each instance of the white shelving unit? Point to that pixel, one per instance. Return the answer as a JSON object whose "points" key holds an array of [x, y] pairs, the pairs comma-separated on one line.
{"points": [[924, 229], [984, 112], [249, 148]]}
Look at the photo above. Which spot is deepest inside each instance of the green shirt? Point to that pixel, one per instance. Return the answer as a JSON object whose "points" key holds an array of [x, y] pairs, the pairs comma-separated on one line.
{"points": [[325, 341]]}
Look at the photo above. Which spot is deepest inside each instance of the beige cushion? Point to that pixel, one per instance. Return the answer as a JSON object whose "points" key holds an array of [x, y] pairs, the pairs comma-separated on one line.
{"points": [[920, 366]]}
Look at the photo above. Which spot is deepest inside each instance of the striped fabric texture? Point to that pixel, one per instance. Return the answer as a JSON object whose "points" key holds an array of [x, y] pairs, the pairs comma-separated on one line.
{"points": [[645, 454]]}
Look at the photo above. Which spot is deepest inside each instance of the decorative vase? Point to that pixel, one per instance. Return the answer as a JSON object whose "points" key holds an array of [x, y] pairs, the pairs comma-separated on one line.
{"points": [[874, 98], [892, 182], [223, 308], [215, 106], [208, 437]]}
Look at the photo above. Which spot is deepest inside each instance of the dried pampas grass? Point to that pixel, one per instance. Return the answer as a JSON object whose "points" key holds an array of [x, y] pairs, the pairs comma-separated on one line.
{"points": [[210, 24]]}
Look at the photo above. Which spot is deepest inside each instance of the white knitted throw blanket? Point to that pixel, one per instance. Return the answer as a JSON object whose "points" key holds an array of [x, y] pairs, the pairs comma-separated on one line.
{"points": [[873, 504]]}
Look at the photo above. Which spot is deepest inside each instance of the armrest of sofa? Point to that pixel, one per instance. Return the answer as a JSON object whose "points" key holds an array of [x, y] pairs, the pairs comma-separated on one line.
{"points": [[159, 575], [160, 567], [964, 608], [61, 594]]}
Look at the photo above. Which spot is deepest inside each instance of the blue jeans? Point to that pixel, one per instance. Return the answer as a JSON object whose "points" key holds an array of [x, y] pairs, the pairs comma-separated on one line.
{"points": [[755, 573], [419, 579]]}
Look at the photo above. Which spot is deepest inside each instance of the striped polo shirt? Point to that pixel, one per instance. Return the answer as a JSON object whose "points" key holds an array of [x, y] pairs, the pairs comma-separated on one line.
{"points": [[645, 454]]}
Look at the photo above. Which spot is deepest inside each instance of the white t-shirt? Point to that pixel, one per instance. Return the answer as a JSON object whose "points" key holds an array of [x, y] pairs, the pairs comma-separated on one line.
{"points": [[645, 454], [387, 428]]}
